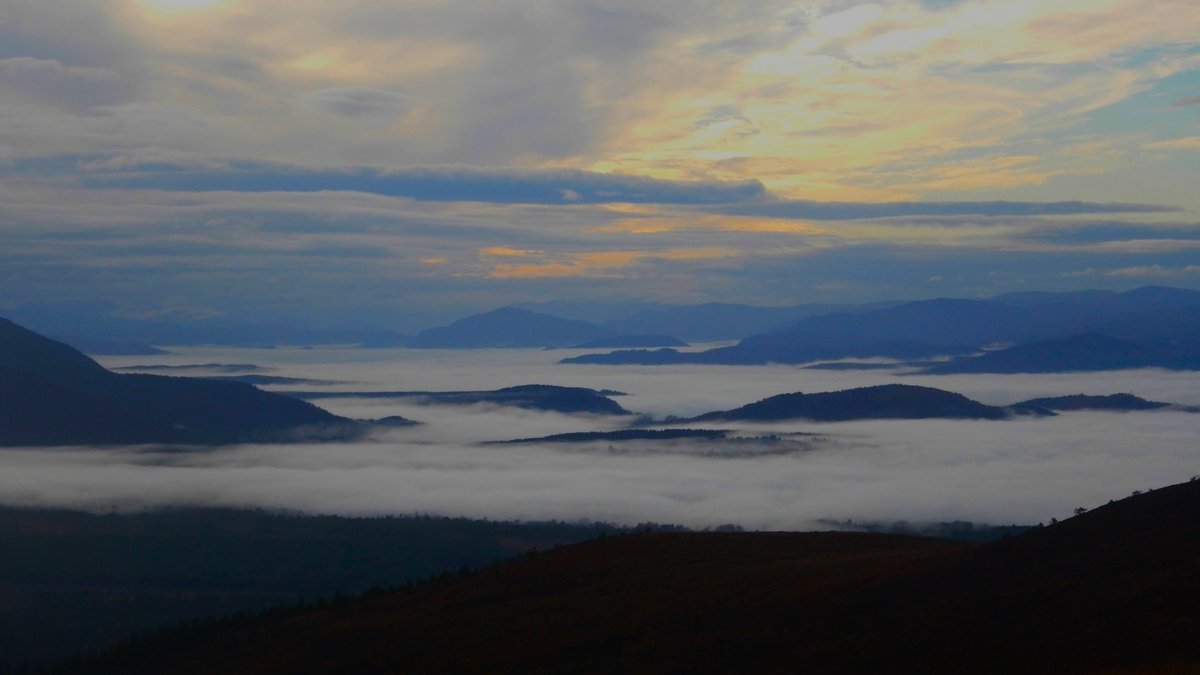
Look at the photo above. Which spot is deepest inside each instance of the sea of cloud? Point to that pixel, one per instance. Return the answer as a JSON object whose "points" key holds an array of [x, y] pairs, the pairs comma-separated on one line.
{"points": [[1023, 470]]}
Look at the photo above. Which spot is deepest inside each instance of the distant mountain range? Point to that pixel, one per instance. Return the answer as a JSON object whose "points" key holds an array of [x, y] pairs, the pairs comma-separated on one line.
{"points": [[784, 334], [1153, 326], [1089, 352], [98, 327], [510, 327], [51, 394], [1110, 590], [718, 321], [1095, 330]]}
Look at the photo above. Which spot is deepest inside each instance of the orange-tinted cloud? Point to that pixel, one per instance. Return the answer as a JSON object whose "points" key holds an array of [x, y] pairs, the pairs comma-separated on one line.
{"points": [[508, 252], [601, 263]]}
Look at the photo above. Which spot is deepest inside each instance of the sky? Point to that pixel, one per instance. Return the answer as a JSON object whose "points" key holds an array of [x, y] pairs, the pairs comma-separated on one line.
{"points": [[399, 161]]}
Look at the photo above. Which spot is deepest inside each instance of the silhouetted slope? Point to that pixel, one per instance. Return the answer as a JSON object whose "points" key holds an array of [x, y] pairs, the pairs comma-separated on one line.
{"points": [[23, 349], [1086, 402], [1177, 328], [223, 412], [1147, 298], [644, 357], [510, 327], [885, 401], [715, 320], [109, 347], [73, 581], [1164, 321], [802, 347], [528, 396], [1113, 590], [35, 411], [942, 322], [1089, 352], [55, 395], [776, 348], [623, 435]]}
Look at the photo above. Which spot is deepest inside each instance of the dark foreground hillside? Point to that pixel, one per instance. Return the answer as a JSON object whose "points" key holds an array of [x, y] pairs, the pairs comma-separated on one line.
{"points": [[1114, 590], [73, 582]]}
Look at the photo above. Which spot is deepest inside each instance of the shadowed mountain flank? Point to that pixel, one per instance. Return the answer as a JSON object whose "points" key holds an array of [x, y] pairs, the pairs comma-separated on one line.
{"points": [[52, 394], [528, 396]]}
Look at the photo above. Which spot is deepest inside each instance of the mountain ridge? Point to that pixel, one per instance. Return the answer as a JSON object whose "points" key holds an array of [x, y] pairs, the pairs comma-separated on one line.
{"points": [[1161, 319], [54, 395]]}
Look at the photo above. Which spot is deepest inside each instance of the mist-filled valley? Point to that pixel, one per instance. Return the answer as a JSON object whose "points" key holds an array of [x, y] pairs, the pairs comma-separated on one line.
{"points": [[783, 475]]}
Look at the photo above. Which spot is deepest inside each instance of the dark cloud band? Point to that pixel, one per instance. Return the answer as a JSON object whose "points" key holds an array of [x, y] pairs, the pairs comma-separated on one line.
{"points": [[810, 210], [506, 186]]}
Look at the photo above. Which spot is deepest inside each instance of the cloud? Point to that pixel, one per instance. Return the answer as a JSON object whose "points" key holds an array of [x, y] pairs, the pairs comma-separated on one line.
{"points": [[508, 252], [1090, 231], [507, 186], [154, 157], [811, 210], [1176, 144], [1154, 271], [47, 81], [359, 102], [602, 263]]}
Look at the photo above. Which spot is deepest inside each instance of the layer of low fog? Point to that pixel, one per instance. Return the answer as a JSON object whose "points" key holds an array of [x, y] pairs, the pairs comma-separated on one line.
{"points": [[1018, 471]]}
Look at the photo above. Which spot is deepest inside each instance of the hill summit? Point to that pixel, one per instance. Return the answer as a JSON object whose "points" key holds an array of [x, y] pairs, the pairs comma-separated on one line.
{"points": [[885, 401]]}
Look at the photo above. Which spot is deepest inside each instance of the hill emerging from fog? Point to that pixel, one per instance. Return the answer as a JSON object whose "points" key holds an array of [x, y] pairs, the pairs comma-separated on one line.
{"points": [[885, 401], [1095, 402], [51, 394], [527, 396], [1112, 590]]}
